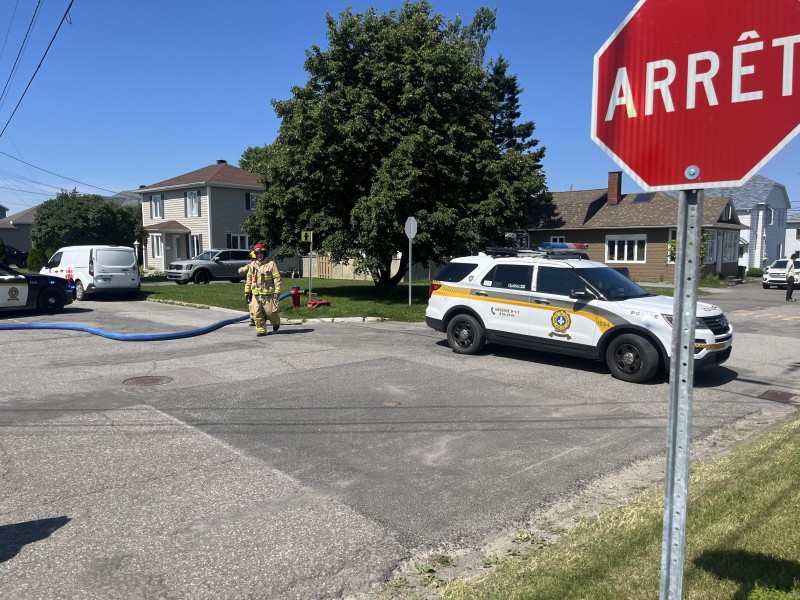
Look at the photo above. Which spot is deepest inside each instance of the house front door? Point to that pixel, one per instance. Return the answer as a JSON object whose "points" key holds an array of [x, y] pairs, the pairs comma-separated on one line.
{"points": [[176, 247]]}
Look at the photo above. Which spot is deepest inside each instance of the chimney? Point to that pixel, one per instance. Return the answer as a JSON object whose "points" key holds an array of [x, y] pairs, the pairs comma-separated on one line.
{"points": [[614, 187], [142, 187], [221, 161]]}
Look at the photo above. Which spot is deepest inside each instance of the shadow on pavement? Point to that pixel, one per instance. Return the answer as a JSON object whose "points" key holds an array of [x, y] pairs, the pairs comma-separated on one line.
{"points": [[13, 537]]}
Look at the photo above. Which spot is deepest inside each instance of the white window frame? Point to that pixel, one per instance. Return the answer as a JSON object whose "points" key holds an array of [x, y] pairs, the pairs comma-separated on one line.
{"points": [[251, 200], [195, 245], [192, 204], [157, 206], [711, 247], [239, 238], [158, 245], [730, 246], [629, 246]]}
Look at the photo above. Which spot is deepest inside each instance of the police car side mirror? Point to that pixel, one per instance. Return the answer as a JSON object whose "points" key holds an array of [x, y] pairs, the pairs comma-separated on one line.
{"points": [[581, 295]]}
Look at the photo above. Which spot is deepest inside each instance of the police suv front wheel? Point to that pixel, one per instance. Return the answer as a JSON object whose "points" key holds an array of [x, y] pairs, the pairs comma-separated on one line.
{"points": [[465, 335], [632, 358]]}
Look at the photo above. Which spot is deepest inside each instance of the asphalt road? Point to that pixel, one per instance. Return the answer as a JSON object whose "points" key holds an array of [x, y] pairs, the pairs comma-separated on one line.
{"points": [[309, 463]]}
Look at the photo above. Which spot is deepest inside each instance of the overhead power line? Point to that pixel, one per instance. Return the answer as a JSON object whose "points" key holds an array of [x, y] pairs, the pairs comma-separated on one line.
{"points": [[20, 53], [38, 67], [56, 174]]}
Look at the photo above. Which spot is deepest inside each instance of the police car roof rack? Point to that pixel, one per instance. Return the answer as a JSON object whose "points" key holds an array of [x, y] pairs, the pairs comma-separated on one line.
{"points": [[511, 252], [560, 250]]}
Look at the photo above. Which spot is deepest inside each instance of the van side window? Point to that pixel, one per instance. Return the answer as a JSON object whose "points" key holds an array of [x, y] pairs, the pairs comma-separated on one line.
{"points": [[56, 259], [509, 277], [550, 280]]}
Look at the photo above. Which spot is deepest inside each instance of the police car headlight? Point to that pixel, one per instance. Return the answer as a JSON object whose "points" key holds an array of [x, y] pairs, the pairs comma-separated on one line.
{"points": [[698, 324]]}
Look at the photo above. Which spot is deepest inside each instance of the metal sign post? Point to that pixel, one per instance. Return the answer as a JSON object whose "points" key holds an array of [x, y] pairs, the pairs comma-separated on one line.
{"points": [[311, 267], [308, 236], [411, 231], [681, 381]]}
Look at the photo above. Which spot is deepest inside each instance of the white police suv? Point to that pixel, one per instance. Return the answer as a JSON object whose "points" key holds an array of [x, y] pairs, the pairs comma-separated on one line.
{"points": [[560, 302]]}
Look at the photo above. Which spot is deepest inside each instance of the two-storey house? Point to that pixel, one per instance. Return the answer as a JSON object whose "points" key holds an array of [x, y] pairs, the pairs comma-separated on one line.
{"points": [[188, 214]]}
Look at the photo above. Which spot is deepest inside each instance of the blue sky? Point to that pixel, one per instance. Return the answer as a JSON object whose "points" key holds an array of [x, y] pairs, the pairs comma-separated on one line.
{"points": [[136, 92]]}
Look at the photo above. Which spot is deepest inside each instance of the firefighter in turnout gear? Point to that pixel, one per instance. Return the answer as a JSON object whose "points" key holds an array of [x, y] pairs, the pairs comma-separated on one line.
{"points": [[246, 269], [261, 290]]}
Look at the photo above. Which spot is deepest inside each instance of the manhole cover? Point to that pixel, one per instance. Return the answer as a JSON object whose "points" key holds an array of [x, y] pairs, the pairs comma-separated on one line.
{"points": [[392, 403], [776, 396], [148, 380]]}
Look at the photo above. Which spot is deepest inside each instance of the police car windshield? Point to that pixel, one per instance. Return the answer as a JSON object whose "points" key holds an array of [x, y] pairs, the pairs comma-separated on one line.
{"points": [[5, 271], [611, 284]]}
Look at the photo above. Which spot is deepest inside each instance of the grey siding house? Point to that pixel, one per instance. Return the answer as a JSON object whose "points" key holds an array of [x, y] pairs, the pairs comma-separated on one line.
{"points": [[188, 214], [761, 204]]}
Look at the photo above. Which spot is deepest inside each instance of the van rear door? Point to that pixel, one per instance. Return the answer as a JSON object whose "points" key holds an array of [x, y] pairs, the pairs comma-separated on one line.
{"points": [[115, 268]]}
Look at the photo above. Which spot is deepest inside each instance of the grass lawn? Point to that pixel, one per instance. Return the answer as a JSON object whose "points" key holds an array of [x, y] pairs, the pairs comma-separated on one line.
{"points": [[742, 540], [347, 298]]}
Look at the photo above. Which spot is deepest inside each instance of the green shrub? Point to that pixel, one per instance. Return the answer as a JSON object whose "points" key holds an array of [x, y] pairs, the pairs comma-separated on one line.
{"points": [[36, 259], [755, 272], [3, 257]]}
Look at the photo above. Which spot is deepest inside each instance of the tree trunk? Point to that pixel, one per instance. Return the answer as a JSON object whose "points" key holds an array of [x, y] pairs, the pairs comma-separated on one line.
{"points": [[386, 282]]}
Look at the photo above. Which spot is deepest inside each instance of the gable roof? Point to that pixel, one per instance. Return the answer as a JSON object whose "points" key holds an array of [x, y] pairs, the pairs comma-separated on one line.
{"points": [[24, 217], [220, 173], [590, 210], [755, 191]]}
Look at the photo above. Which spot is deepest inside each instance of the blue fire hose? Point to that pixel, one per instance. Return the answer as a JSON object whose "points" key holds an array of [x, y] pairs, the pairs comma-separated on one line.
{"points": [[133, 337]]}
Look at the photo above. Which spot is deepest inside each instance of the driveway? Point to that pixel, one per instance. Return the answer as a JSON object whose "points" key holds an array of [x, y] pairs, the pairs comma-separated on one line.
{"points": [[310, 463]]}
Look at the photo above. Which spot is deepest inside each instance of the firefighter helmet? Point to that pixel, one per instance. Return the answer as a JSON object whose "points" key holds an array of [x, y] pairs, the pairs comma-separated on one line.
{"points": [[260, 248]]}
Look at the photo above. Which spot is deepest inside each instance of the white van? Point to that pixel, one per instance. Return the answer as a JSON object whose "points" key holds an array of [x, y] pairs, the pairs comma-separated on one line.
{"points": [[96, 269]]}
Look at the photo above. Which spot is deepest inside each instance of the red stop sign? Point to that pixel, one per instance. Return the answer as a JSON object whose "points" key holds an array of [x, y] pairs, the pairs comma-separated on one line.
{"points": [[698, 93]]}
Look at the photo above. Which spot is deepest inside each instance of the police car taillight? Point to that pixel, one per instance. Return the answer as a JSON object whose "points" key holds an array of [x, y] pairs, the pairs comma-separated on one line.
{"points": [[434, 286]]}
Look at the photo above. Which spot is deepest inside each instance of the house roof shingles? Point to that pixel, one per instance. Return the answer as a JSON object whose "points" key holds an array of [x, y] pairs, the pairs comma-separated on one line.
{"points": [[24, 217], [589, 209], [170, 226], [220, 173]]}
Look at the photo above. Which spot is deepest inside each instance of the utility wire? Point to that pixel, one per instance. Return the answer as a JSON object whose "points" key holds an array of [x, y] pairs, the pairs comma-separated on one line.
{"points": [[37, 68], [20, 53], [56, 174], [8, 31]]}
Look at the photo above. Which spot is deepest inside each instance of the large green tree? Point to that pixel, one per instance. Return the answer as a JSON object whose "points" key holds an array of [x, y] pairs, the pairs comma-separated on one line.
{"points": [[395, 120], [72, 219]]}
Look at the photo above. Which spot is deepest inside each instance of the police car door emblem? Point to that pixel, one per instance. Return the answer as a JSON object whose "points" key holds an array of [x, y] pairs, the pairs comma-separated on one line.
{"points": [[13, 293], [561, 322]]}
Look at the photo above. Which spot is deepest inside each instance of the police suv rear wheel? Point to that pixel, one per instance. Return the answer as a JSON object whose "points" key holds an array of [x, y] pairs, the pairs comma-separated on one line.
{"points": [[632, 358], [465, 335]]}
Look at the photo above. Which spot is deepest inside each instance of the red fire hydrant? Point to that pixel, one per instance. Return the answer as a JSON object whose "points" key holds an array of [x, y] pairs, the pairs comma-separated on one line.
{"points": [[295, 297]]}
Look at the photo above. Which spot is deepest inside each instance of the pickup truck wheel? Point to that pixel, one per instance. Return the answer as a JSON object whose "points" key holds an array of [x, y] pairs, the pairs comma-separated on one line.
{"points": [[202, 277], [632, 358], [465, 335]]}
